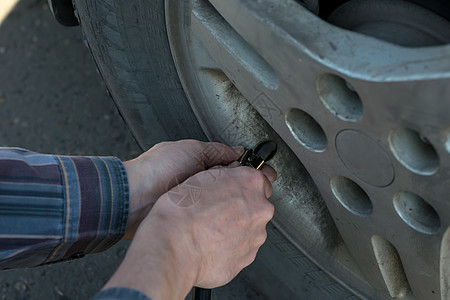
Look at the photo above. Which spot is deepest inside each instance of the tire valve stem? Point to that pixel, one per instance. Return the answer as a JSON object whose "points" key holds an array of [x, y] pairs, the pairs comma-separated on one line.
{"points": [[263, 152]]}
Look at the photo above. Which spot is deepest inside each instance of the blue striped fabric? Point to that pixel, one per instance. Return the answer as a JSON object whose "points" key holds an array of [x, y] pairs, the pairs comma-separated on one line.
{"points": [[120, 293], [55, 208]]}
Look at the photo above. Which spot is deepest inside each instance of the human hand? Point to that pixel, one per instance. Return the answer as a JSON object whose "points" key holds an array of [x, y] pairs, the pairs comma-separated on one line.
{"points": [[202, 232], [166, 165]]}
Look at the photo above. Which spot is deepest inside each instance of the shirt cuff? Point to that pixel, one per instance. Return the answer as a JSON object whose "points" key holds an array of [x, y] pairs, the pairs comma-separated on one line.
{"points": [[120, 293], [96, 200]]}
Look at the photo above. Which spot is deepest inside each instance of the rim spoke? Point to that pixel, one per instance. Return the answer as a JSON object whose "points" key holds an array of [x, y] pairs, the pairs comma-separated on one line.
{"points": [[234, 56], [299, 34], [250, 21], [243, 66], [255, 76]]}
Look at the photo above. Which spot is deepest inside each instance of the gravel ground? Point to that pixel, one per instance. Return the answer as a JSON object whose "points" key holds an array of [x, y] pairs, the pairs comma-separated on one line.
{"points": [[53, 101]]}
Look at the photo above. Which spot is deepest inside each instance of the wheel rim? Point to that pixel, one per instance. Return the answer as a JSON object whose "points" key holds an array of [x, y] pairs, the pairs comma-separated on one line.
{"points": [[370, 129]]}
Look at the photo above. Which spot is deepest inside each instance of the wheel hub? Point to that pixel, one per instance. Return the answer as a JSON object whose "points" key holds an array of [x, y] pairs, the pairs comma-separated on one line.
{"points": [[364, 158]]}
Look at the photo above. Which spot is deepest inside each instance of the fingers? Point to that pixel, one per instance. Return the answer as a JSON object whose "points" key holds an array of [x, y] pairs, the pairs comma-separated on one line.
{"points": [[239, 149], [267, 209], [219, 154], [226, 222], [270, 173], [267, 187]]}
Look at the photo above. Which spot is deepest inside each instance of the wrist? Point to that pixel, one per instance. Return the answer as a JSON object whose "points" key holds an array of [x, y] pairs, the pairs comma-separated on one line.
{"points": [[157, 262], [141, 196]]}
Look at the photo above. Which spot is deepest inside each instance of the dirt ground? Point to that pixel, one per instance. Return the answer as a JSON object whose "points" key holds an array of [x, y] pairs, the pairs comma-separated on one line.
{"points": [[53, 101]]}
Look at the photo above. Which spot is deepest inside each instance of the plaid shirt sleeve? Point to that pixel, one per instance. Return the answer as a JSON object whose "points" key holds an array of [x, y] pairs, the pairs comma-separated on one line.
{"points": [[56, 208], [120, 293]]}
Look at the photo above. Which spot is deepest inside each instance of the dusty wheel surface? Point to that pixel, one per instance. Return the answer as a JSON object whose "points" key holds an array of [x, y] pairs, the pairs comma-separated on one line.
{"points": [[354, 92]]}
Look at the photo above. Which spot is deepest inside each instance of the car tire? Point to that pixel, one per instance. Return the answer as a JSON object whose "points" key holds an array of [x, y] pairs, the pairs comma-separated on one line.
{"points": [[136, 64]]}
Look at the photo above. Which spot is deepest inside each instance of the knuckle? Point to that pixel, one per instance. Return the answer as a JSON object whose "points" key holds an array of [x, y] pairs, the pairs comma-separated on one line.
{"points": [[266, 211], [261, 239], [190, 143], [270, 210], [250, 259], [246, 261], [197, 144], [160, 145]]}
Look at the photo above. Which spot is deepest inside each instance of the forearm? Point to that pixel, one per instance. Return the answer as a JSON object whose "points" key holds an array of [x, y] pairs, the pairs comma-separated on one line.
{"points": [[55, 208]]}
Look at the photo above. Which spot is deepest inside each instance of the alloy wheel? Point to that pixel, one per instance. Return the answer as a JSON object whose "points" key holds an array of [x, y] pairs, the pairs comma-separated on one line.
{"points": [[359, 106]]}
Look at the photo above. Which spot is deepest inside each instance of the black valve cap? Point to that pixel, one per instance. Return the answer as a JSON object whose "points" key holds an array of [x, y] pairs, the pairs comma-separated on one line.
{"points": [[266, 150]]}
